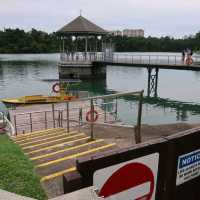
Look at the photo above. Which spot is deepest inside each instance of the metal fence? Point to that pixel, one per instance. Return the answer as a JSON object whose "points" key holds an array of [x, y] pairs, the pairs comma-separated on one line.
{"points": [[71, 115], [127, 58], [152, 59], [82, 57]]}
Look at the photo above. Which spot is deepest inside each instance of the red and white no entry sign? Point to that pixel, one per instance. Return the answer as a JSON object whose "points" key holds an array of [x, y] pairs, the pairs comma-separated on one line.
{"points": [[132, 180]]}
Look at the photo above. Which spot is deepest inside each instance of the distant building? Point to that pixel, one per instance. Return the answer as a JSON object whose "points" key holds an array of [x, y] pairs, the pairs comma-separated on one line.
{"points": [[116, 33], [133, 32]]}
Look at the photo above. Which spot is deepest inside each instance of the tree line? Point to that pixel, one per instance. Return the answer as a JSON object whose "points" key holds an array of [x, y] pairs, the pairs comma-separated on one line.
{"points": [[35, 41], [154, 44]]}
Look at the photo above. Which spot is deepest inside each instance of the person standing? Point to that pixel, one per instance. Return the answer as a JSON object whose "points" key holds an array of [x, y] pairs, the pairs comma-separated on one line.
{"points": [[183, 55]]}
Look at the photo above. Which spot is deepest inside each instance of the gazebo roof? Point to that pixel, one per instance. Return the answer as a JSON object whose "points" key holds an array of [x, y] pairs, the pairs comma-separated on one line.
{"points": [[81, 26]]}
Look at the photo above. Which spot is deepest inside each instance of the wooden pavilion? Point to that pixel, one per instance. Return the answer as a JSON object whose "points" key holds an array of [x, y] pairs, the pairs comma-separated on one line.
{"points": [[83, 29], [83, 42]]}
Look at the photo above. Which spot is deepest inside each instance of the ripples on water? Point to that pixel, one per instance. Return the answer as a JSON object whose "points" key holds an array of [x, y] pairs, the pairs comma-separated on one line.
{"points": [[179, 98]]}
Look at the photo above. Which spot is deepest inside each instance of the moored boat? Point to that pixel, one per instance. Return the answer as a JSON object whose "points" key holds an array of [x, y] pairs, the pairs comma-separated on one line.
{"points": [[38, 99], [58, 88]]}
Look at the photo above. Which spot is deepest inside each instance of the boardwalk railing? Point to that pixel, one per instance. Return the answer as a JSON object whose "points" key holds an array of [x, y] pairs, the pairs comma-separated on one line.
{"points": [[72, 115], [125, 58], [82, 57], [152, 59]]}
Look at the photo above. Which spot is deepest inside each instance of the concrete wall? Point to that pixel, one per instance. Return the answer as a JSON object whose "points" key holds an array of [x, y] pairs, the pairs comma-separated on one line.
{"points": [[82, 71]]}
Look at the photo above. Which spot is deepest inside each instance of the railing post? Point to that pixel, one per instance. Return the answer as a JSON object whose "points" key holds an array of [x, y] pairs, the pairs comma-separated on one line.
{"points": [[61, 119], [80, 119], [105, 112], [45, 119], [15, 122], [80, 115], [149, 60], [58, 124], [53, 115], [92, 119], [138, 138], [149, 82], [67, 104], [31, 125], [116, 109]]}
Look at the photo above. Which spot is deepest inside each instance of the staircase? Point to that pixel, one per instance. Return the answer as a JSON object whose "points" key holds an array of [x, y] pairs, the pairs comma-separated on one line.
{"points": [[54, 153]]}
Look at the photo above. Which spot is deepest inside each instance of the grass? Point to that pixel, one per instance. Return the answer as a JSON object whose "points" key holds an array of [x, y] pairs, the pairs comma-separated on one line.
{"points": [[17, 173]]}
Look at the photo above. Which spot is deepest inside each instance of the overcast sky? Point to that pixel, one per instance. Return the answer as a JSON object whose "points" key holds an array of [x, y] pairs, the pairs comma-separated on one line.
{"points": [[175, 18]]}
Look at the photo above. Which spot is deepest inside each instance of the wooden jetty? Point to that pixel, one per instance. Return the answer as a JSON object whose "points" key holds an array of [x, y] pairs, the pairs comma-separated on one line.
{"points": [[153, 63]]}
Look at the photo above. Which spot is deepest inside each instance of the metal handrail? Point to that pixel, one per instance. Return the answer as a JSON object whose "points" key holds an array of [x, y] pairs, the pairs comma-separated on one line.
{"points": [[10, 126], [60, 117], [81, 56], [151, 59], [126, 58]]}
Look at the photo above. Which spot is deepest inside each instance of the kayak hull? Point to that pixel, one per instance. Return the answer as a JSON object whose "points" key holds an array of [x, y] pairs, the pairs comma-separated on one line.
{"points": [[36, 99]]}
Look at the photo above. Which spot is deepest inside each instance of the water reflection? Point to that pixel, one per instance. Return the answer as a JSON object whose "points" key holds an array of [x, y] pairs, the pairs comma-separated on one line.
{"points": [[178, 99]]}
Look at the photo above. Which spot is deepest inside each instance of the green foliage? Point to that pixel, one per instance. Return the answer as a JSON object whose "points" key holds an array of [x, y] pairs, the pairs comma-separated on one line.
{"points": [[19, 41], [17, 172], [153, 44]]}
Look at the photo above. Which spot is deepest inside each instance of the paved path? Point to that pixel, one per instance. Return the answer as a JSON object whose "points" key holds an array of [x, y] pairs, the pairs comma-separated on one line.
{"points": [[4, 195]]}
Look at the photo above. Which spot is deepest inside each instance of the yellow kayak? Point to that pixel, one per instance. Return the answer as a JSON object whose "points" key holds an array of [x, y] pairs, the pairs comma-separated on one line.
{"points": [[34, 99]]}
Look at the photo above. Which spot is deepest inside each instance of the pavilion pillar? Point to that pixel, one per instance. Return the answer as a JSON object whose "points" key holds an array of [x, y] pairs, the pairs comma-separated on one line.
{"points": [[63, 44], [86, 44], [96, 43]]}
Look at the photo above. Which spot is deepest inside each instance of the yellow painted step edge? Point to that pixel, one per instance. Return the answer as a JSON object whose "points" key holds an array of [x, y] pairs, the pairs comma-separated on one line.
{"points": [[39, 134], [49, 142], [60, 173], [66, 149], [31, 133], [44, 139], [43, 135], [34, 133], [74, 155], [56, 145]]}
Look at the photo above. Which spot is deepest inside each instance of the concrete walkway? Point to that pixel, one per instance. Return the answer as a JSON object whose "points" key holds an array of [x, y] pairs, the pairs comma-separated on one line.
{"points": [[84, 194], [4, 195]]}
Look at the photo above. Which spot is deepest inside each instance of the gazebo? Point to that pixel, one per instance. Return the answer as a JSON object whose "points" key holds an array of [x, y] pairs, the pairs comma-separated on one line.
{"points": [[84, 36], [83, 43]]}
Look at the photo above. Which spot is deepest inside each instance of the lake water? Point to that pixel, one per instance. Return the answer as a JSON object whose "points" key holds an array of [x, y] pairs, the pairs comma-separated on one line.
{"points": [[178, 91]]}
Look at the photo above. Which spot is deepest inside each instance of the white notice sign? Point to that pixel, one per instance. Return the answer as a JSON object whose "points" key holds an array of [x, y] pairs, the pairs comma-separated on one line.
{"points": [[188, 167]]}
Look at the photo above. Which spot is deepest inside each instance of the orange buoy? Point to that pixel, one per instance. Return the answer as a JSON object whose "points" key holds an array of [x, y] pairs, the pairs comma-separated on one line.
{"points": [[89, 116], [56, 87]]}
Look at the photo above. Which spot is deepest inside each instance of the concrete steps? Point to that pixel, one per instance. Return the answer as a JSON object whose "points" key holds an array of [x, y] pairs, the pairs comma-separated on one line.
{"points": [[54, 151]]}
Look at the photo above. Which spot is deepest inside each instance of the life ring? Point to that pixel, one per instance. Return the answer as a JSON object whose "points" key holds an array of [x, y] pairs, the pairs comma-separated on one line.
{"points": [[189, 61], [56, 87], [89, 115]]}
